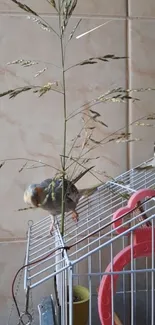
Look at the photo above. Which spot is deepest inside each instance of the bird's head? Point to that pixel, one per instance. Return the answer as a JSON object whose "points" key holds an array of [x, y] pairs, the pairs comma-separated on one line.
{"points": [[33, 195]]}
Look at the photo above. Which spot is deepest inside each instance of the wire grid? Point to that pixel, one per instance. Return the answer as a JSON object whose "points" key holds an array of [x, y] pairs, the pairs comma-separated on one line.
{"points": [[94, 243], [89, 235]]}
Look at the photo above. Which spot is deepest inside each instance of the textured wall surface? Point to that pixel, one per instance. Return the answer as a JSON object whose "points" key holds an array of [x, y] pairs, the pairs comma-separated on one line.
{"points": [[31, 127]]}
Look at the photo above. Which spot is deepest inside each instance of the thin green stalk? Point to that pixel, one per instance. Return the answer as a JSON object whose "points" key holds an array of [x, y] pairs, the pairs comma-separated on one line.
{"points": [[65, 123]]}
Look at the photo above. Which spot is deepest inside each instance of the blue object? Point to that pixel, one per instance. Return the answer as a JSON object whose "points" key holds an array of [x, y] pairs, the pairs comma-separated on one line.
{"points": [[47, 312]]}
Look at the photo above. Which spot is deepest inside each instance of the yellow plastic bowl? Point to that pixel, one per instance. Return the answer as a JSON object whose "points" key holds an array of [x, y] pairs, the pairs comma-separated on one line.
{"points": [[80, 308]]}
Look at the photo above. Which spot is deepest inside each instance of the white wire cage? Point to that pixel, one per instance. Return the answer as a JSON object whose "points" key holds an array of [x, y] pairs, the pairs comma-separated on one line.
{"points": [[85, 256]]}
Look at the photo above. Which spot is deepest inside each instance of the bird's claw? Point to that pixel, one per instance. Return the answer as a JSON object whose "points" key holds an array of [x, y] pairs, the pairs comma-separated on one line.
{"points": [[75, 216], [51, 229], [51, 226]]}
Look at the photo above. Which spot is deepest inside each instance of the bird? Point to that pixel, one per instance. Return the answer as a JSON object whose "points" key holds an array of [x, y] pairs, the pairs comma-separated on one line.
{"points": [[47, 195]]}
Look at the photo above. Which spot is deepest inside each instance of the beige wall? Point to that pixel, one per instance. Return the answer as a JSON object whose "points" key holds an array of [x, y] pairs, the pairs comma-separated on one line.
{"points": [[32, 127]]}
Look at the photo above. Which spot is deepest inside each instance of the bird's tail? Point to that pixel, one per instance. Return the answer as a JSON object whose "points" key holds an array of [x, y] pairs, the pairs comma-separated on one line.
{"points": [[77, 178]]}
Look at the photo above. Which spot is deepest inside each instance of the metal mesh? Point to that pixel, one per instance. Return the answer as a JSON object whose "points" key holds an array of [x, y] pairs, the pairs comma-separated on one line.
{"points": [[94, 243]]}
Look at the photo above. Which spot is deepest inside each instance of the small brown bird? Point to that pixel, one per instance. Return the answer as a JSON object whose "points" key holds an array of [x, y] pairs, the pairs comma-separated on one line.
{"points": [[48, 195]]}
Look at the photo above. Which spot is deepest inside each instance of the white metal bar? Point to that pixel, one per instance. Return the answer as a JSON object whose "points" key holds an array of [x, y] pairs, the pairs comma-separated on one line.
{"points": [[40, 221], [36, 284], [126, 223], [128, 231], [26, 259], [40, 238], [125, 272], [80, 223], [70, 283], [44, 270], [38, 245], [124, 187], [132, 169], [92, 226], [95, 212], [41, 255], [40, 250], [41, 230], [42, 262]]}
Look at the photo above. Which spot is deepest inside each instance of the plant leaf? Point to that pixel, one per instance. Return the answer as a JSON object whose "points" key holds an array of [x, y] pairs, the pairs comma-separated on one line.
{"points": [[95, 141], [67, 12], [52, 2], [95, 113], [93, 60], [87, 62], [72, 8], [14, 92], [25, 7], [99, 121], [24, 63], [36, 89], [31, 11], [46, 88], [40, 72], [74, 29], [2, 164], [144, 124], [24, 165], [6, 93], [151, 117], [43, 25], [107, 57], [127, 140]]}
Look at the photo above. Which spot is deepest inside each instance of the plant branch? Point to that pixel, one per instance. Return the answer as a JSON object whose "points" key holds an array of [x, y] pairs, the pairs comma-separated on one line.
{"points": [[81, 165], [29, 160], [65, 121], [80, 155], [28, 63], [103, 140], [120, 95], [26, 8], [36, 89], [94, 60], [77, 136]]}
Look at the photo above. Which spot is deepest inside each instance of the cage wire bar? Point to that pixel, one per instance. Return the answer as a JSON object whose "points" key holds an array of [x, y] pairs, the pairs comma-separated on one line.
{"points": [[94, 244]]}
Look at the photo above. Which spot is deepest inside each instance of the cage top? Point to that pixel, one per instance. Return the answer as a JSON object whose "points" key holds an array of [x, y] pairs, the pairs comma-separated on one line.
{"points": [[94, 229]]}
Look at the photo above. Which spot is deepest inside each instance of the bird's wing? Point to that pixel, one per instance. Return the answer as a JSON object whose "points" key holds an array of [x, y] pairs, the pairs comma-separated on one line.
{"points": [[46, 182]]}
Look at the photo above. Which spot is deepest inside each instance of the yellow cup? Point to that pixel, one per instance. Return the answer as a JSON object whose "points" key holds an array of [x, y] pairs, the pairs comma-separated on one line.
{"points": [[81, 306]]}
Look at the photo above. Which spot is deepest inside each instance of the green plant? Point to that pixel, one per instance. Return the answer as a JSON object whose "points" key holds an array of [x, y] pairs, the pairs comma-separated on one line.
{"points": [[64, 10]]}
